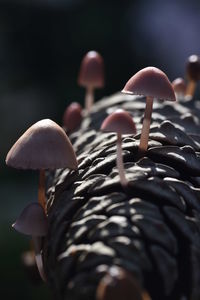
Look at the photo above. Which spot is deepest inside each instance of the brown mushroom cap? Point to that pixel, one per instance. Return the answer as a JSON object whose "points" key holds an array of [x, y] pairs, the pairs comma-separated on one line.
{"points": [[179, 85], [119, 121], [118, 284], [193, 67], [72, 116], [32, 221], [44, 145], [150, 82], [92, 70]]}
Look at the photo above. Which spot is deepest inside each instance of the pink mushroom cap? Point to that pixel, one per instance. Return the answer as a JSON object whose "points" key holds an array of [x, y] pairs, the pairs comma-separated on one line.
{"points": [[44, 145], [119, 121], [92, 70], [179, 85], [150, 82], [72, 116], [32, 221]]}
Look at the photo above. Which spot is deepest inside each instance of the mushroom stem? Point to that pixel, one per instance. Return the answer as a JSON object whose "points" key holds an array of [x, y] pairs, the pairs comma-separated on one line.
{"points": [[180, 96], [120, 164], [37, 243], [146, 125], [89, 98], [190, 90], [41, 190]]}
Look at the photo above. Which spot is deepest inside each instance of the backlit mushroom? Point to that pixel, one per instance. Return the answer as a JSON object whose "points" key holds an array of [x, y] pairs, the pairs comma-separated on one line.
{"points": [[44, 145], [72, 117], [91, 76], [193, 74], [33, 222], [120, 122], [151, 83]]}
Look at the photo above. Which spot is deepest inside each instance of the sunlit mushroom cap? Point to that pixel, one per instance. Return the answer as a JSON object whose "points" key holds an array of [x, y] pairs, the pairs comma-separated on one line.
{"points": [[72, 116], [193, 67], [32, 221], [150, 82], [43, 146], [92, 70], [119, 121], [179, 85]]}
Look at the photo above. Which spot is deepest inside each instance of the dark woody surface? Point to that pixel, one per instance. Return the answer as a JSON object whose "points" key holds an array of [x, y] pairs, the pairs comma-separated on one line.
{"points": [[151, 229]]}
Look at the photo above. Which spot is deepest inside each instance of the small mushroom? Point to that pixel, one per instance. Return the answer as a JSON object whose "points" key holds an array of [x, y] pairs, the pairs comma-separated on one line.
{"points": [[72, 117], [33, 222], [179, 87], [193, 74], [44, 145], [120, 122], [119, 284], [91, 76], [151, 83]]}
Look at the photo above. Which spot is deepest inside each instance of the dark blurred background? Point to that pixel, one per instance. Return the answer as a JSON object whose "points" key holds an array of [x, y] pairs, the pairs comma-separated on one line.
{"points": [[42, 43]]}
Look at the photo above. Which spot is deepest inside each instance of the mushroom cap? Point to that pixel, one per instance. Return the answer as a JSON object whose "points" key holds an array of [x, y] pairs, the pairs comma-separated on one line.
{"points": [[72, 116], [119, 121], [179, 85], [32, 221], [118, 284], [150, 82], [92, 70], [193, 67], [44, 145]]}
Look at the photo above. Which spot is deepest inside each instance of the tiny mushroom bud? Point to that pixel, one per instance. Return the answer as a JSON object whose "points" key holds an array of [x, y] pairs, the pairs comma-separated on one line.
{"points": [[179, 87], [91, 76], [118, 284], [44, 145], [120, 122], [151, 83], [193, 74], [72, 117], [33, 222]]}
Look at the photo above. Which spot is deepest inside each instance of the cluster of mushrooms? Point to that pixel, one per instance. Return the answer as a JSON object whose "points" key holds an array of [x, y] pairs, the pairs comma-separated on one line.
{"points": [[45, 145]]}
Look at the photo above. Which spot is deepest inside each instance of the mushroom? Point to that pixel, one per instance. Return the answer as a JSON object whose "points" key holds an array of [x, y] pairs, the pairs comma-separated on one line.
{"points": [[44, 145], [120, 122], [151, 83], [91, 76], [72, 117], [179, 87], [193, 74], [118, 284], [33, 222]]}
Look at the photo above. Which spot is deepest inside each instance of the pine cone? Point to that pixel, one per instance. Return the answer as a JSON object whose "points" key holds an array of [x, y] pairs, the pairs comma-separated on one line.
{"points": [[152, 229]]}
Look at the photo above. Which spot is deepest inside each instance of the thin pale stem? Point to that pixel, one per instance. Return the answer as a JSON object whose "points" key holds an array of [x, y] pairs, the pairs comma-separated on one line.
{"points": [[120, 164], [190, 90], [41, 190], [37, 243], [180, 96], [89, 98], [146, 125]]}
